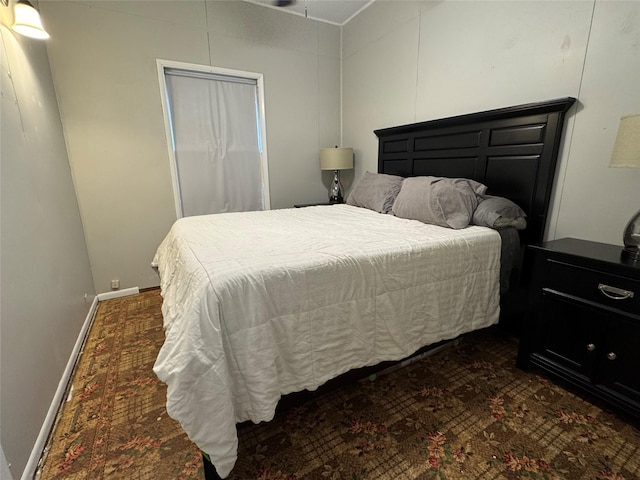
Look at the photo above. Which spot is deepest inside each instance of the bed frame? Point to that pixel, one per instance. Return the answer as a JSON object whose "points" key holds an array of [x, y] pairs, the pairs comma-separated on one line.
{"points": [[513, 151]]}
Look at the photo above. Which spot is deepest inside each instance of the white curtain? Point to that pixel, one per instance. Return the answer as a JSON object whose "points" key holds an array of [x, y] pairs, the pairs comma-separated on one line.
{"points": [[214, 121]]}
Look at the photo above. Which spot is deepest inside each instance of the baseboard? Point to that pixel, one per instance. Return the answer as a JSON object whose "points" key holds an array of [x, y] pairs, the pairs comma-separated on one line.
{"points": [[41, 442], [118, 293], [37, 453]]}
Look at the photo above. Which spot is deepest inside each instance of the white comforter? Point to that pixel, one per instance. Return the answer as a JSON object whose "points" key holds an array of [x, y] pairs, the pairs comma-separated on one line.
{"points": [[261, 304]]}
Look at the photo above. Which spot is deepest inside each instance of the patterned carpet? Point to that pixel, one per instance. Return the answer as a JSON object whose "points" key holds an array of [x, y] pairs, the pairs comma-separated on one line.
{"points": [[464, 413]]}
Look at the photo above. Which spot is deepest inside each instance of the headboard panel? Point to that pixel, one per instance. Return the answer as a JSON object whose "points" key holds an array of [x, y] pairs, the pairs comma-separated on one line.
{"points": [[513, 151]]}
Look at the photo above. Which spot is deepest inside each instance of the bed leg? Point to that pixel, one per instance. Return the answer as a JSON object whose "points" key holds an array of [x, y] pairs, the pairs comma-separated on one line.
{"points": [[209, 470]]}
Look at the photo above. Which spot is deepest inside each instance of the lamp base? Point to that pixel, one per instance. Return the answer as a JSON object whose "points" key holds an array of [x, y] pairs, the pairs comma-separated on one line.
{"points": [[335, 191], [631, 239], [630, 255]]}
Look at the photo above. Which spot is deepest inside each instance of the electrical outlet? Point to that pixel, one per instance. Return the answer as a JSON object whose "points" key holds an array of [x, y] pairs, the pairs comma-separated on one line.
{"points": [[115, 284]]}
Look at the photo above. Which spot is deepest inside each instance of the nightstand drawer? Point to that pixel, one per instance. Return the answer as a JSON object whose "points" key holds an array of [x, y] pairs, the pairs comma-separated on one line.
{"points": [[614, 291]]}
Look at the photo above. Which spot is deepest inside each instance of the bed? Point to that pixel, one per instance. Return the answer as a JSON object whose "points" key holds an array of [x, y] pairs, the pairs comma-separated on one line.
{"points": [[257, 305]]}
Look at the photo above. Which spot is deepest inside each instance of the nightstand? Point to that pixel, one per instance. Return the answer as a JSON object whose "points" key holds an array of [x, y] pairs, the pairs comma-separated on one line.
{"points": [[302, 205], [583, 321]]}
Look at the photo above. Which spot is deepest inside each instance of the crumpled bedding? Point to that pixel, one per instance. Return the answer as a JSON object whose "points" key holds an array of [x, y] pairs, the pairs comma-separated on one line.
{"points": [[510, 255], [261, 304]]}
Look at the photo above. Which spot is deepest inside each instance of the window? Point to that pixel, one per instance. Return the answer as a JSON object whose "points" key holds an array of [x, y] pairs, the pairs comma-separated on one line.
{"points": [[214, 120]]}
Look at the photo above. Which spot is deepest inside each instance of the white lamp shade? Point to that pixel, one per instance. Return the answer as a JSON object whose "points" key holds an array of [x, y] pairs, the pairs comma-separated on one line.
{"points": [[336, 158], [27, 21], [626, 149]]}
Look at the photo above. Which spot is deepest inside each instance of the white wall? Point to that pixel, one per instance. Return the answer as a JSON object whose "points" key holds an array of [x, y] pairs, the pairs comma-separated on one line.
{"points": [[103, 57], [403, 62], [45, 271], [413, 61], [598, 201]]}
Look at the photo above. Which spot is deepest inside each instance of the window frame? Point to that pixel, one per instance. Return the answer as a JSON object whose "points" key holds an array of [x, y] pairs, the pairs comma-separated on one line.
{"points": [[207, 69]]}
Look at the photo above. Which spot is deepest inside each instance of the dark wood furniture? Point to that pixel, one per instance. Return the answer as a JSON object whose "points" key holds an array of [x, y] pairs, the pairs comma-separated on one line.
{"points": [[583, 324], [513, 151]]}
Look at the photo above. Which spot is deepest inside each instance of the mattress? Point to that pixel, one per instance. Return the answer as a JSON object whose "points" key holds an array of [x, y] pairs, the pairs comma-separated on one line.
{"points": [[260, 304]]}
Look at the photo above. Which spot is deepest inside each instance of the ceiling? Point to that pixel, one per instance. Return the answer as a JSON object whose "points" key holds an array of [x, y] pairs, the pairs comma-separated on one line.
{"points": [[336, 12]]}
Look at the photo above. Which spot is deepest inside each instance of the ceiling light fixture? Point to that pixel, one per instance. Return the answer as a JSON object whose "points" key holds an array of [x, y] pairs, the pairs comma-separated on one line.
{"points": [[27, 21]]}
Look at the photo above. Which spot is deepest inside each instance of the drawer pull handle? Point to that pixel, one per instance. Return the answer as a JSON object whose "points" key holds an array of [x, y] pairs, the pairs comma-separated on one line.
{"points": [[591, 347], [615, 293], [611, 356]]}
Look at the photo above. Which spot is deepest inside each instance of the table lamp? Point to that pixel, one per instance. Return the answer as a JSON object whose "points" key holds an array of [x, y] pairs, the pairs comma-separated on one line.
{"points": [[336, 159], [626, 153]]}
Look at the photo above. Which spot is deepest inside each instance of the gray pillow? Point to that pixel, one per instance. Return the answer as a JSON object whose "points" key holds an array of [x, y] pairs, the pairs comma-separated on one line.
{"points": [[375, 191], [448, 202], [499, 212]]}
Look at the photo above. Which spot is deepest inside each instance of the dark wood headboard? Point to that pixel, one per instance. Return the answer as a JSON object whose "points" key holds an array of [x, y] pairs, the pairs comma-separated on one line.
{"points": [[513, 151]]}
